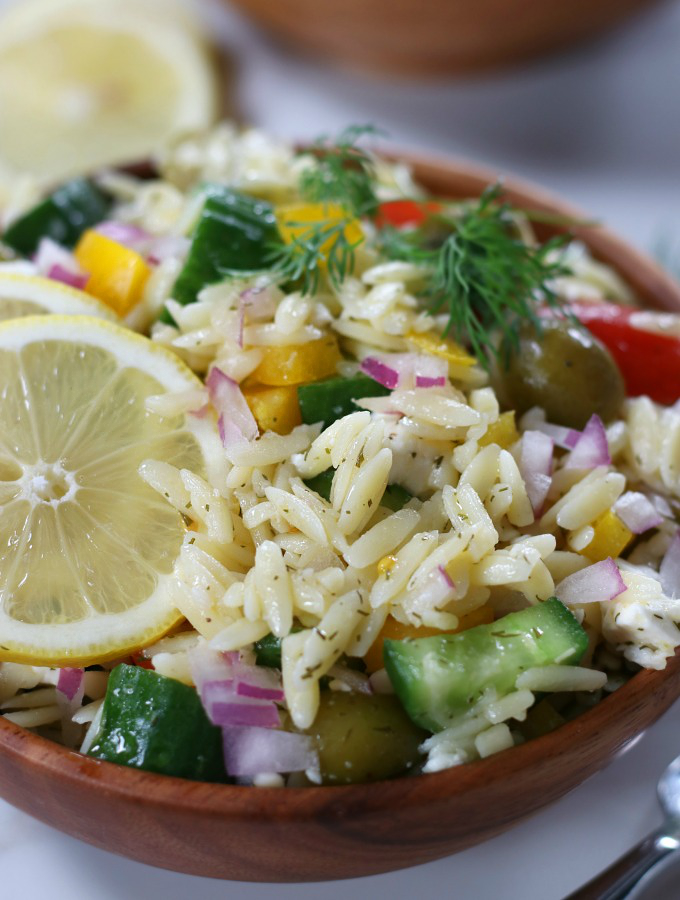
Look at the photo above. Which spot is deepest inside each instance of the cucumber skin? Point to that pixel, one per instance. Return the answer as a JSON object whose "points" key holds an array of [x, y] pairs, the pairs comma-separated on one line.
{"points": [[395, 497], [158, 724], [333, 398], [63, 216], [439, 678], [234, 234]]}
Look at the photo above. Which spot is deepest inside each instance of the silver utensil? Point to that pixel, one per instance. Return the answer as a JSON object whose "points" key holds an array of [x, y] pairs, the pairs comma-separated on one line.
{"points": [[622, 876]]}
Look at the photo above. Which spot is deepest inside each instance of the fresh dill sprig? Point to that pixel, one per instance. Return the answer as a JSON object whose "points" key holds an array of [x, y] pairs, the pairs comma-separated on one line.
{"points": [[482, 273], [344, 172], [322, 245], [342, 176]]}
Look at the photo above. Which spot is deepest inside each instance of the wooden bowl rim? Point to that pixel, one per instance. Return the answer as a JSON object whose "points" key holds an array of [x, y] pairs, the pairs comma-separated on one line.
{"points": [[295, 804]]}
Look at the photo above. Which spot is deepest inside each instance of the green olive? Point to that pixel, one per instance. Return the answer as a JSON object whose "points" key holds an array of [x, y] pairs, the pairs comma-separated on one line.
{"points": [[364, 737], [564, 370]]}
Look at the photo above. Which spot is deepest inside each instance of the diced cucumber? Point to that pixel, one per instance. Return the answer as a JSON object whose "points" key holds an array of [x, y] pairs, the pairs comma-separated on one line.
{"points": [[156, 723], [234, 234], [439, 678], [394, 498], [331, 399], [63, 217]]}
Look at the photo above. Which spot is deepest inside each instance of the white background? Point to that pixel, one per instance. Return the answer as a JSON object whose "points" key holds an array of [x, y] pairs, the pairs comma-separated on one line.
{"points": [[600, 125]]}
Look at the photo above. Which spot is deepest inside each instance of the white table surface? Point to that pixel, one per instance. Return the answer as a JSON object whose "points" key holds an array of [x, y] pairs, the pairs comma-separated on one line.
{"points": [[601, 125]]}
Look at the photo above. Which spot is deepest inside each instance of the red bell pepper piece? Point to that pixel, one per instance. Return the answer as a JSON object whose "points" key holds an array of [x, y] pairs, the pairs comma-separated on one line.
{"points": [[649, 362], [405, 213]]}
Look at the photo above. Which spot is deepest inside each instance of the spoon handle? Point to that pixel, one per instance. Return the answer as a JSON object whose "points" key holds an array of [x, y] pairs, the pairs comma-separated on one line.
{"points": [[620, 878]]}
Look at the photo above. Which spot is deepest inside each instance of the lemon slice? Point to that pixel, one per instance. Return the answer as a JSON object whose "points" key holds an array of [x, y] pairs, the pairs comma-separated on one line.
{"points": [[30, 295], [89, 83], [87, 549]]}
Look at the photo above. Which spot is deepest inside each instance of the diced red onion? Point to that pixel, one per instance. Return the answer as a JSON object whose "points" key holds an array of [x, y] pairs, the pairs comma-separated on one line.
{"points": [[73, 279], [566, 438], [595, 584], [259, 303], [591, 449], [637, 512], [123, 233], [70, 682], [378, 371], [236, 421], [255, 751], [669, 570], [257, 682], [406, 370], [536, 461], [661, 505], [59, 264], [238, 713]]}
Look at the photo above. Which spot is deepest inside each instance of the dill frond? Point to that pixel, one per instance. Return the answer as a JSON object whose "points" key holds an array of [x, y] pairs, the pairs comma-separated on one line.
{"points": [[321, 247], [482, 273], [344, 172]]}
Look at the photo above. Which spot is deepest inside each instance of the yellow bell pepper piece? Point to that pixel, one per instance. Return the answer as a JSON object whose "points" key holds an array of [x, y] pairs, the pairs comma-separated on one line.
{"points": [[610, 539], [297, 363], [503, 432], [117, 274], [275, 408], [397, 631], [296, 219], [436, 345]]}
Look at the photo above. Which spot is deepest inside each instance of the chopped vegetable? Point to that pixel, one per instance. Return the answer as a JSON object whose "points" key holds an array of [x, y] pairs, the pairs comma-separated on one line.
{"points": [[637, 512], [236, 422], [439, 678], [117, 275], [610, 539], [63, 217], [502, 432], [436, 345], [406, 370], [274, 408], [393, 629], [363, 737], [318, 239], [331, 399], [70, 682], [595, 584], [592, 448], [252, 751], [234, 234], [405, 213], [158, 724], [649, 361], [536, 462], [297, 363]]}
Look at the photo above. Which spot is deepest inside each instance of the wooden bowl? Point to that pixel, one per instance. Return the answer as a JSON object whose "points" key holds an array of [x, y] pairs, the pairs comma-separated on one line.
{"points": [[316, 834], [435, 36]]}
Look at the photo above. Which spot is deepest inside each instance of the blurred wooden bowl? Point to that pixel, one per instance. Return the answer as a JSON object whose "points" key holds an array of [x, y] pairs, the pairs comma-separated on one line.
{"points": [[435, 36], [316, 834]]}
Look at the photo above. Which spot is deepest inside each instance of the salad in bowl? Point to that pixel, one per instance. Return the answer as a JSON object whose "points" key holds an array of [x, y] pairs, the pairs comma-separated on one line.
{"points": [[311, 477]]}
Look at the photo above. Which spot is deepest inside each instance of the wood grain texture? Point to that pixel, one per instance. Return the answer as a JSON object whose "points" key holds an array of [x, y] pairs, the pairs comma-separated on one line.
{"points": [[433, 37], [313, 834]]}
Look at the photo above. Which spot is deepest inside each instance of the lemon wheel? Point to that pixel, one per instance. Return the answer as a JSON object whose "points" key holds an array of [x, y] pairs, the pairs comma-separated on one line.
{"points": [[89, 83], [87, 549], [31, 295]]}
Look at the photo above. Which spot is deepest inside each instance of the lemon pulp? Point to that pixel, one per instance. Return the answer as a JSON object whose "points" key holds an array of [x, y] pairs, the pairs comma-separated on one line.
{"points": [[86, 547]]}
